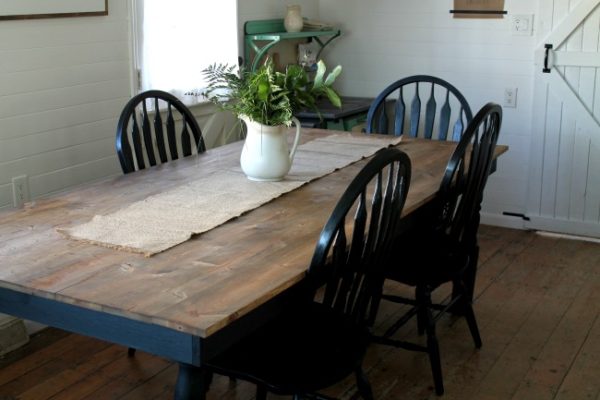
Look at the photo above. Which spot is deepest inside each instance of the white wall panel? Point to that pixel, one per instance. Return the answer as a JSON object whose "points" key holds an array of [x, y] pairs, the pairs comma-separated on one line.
{"points": [[30, 145], [62, 98], [78, 174], [45, 121], [385, 40], [5, 195], [63, 83], [41, 163], [52, 78]]}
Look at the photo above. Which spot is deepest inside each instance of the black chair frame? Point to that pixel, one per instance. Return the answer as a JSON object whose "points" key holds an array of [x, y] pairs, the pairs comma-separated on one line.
{"points": [[144, 133], [378, 119], [144, 139], [344, 276], [455, 227]]}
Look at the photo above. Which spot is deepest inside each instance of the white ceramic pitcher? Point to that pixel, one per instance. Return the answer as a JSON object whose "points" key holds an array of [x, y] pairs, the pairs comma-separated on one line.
{"points": [[265, 156]]}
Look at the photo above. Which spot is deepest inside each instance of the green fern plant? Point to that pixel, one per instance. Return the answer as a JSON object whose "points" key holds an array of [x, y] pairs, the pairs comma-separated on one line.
{"points": [[267, 96]]}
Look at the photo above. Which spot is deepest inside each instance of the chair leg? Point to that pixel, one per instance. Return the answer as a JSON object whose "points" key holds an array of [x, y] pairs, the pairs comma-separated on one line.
{"points": [[374, 310], [261, 392], [364, 387], [471, 274], [472, 322], [424, 298], [464, 287], [421, 315], [208, 379], [465, 304]]}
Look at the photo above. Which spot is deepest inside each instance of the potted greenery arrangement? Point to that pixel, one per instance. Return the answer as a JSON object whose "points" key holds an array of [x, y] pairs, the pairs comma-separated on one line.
{"points": [[266, 101]]}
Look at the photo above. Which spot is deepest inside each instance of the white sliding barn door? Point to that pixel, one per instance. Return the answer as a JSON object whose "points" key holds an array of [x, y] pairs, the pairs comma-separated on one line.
{"points": [[564, 190]]}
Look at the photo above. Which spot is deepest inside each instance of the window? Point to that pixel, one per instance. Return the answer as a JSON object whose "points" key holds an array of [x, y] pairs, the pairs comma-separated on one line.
{"points": [[177, 39]]}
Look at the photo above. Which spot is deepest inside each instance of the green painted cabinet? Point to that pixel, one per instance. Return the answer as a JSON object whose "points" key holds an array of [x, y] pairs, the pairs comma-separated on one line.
{"points": [[262, 35]]}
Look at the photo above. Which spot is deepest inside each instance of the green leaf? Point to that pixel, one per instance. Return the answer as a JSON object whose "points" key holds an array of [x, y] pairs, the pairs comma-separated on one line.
{"points": [[333, 75], [333, 97], [265, 95], [263, 91], [318, 82]]}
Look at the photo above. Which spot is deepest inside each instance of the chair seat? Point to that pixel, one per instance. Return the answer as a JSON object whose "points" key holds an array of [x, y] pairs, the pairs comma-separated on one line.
{"points": [[312, 348], [427, 260]]}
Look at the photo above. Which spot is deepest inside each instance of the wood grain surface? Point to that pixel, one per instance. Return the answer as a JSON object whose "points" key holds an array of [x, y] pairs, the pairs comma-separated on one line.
{"points": [[206, 283]]}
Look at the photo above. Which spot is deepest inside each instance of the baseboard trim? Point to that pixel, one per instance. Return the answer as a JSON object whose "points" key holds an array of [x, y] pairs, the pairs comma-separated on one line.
{"points": [[567, 236], [564, 226], [12, 334], [33, 327], [503, 221]]}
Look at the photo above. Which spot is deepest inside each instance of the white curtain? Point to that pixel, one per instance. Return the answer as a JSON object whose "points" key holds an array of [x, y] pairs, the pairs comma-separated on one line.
{"points": [[179, 38]]}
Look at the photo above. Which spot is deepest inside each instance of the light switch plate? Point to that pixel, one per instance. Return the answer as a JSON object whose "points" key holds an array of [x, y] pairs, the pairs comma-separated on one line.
{"points": [[20, 187], [510, 97], [521, 24]]}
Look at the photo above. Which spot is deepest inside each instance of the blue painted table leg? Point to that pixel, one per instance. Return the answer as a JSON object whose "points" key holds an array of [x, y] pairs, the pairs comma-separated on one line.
{"points": [[190, 383]]}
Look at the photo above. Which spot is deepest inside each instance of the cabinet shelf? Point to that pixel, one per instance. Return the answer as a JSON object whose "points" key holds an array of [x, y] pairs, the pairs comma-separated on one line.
{"points": [[272, 32]]}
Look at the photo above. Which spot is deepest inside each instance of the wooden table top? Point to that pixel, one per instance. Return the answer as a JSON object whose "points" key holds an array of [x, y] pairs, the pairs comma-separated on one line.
{"points": [[204, 284]]}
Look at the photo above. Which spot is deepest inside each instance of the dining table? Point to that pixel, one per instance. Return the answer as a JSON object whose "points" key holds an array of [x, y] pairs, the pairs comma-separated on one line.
{"points": [[192, 301]]}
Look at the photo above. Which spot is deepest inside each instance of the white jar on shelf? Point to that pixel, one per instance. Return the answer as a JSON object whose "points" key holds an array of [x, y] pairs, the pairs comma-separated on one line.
{"points": [[293, 19]]}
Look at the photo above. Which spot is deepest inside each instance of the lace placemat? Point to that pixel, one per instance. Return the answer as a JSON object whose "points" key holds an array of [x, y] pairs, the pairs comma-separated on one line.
{"points": [[167, 219]]}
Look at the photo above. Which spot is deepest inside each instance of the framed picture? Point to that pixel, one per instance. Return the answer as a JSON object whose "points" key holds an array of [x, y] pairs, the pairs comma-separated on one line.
{"points": [[34, 9], [478, 9]]}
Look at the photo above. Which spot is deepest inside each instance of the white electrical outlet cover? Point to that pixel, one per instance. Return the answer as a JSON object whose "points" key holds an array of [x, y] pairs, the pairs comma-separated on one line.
{"points": [[521, 24]]}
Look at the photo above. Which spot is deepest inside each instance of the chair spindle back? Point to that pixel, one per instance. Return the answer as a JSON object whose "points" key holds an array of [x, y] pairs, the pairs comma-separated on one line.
{"points": [[140, 135], [466, 176], [351, 251], [383, 118]]}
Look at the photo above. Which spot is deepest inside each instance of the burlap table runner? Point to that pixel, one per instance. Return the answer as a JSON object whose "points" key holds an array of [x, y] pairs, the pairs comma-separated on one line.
{"points": [[167, 219]]}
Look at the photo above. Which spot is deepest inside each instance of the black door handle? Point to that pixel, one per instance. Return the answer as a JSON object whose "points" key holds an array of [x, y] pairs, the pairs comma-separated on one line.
{"points": [[547, 70]]}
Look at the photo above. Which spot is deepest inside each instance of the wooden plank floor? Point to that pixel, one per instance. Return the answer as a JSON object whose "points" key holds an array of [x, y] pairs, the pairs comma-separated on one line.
{"points": [[537, 304]]}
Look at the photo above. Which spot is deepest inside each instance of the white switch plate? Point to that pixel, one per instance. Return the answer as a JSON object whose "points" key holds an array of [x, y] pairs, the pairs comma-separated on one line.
{"points": [[20, 187], [510, 97], [521, 24]]}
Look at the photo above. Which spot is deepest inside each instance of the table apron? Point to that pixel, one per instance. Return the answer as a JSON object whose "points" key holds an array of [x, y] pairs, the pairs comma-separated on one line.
{"points": [[155, 339]]}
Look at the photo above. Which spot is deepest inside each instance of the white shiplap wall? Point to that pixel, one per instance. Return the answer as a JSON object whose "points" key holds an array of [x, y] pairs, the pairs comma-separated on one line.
{"points": [[385, 40], [63, 82]]}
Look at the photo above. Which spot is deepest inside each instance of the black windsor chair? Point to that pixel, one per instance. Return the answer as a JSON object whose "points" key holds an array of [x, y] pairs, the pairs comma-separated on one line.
{"points": [[138, 139], [134, 127], [322, 338], [387, 113], [447, 250]]}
